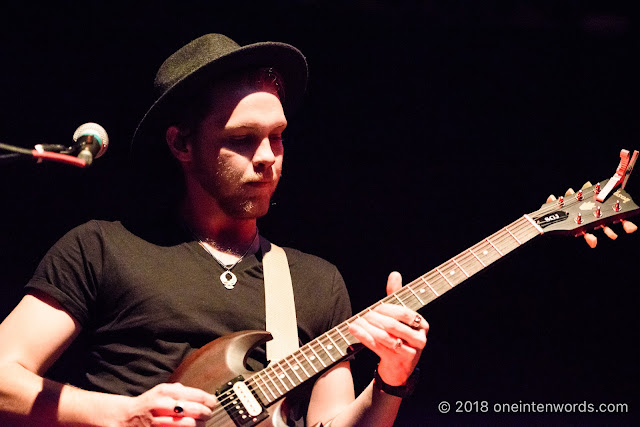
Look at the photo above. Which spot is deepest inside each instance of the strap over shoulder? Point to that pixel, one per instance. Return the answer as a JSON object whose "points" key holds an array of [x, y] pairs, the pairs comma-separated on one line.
{"points": [[280, 306]]}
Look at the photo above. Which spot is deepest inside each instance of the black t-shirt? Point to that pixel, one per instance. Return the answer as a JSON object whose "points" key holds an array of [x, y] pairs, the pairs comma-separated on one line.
{"points": [[146, 296]]}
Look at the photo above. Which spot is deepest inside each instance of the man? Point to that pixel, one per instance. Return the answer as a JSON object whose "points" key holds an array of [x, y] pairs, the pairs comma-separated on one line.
{"points": [[141, 294]]}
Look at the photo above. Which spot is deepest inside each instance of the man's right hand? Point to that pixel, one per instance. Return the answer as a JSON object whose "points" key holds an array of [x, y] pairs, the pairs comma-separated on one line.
{"points": [[171, 405]]}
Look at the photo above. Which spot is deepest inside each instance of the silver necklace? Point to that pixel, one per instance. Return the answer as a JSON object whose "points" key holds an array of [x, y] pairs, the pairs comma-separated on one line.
{"points": [[228, 278]]}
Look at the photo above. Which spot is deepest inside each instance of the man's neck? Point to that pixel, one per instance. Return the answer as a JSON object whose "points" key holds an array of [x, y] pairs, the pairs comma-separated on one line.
{"points": [[214, 227]]}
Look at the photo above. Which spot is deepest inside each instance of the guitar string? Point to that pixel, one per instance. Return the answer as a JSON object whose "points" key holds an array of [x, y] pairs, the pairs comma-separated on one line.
{"points": [[295, 360], [462, 261], [499, 238], [505, 234]]}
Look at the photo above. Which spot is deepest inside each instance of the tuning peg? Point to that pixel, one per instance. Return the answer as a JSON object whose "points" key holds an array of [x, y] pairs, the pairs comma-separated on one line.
{"points": [[610, 233], [616, 206], [579, 196], [629, 227], [591, 240]]}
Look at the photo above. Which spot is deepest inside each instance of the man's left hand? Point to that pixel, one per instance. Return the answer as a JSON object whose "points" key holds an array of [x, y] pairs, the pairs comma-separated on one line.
{"points": [[395, 333]]}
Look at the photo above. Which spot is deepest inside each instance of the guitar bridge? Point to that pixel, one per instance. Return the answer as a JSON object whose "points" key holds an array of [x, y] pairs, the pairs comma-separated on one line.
{"points": [[241, 404]]}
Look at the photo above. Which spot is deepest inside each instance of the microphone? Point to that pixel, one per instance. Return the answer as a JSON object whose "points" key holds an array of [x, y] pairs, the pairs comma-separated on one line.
{"points": [[91, 142]]}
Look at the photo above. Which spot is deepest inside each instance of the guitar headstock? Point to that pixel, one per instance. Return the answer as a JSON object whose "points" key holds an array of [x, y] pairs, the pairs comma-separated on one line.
{"points": [[591, 207], [580, 212]]}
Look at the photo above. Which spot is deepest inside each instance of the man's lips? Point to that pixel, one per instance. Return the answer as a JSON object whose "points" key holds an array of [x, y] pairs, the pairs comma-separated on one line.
{"points": [[261, 183]]}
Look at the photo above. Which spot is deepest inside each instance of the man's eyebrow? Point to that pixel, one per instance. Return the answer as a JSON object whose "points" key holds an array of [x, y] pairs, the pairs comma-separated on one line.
{"points": [[249, 126]]}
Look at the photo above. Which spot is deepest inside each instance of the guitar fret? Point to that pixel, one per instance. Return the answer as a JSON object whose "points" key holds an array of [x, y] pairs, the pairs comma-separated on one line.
{"points": [[408, 296], [512, 235], [476, 256], [274, 382], [301, 365], [260, 374], [310, 363], [459, 266], [432, 290], [258, 391], [335, 345], [286, 374], [494, 246], [324, 365], [416, 295], [445, 277], [536, 226], [326, 351], [399, 300], [292, 368], [281, 376], [343, 337], [469, 264]]}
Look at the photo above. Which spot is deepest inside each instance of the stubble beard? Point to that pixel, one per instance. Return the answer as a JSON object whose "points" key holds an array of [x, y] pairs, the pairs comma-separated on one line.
{"points": [[235, 200]]}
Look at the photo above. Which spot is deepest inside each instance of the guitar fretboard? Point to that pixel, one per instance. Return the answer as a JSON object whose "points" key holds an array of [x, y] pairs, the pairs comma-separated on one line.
{"points": [[276, 380]]}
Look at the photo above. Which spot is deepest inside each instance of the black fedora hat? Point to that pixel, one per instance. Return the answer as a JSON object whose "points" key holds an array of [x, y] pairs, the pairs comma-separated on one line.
{"points": [[213, 56]]}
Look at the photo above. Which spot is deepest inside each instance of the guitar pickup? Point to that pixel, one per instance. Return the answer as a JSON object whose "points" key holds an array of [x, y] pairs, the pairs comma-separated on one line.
{"points": [[241, 404]]}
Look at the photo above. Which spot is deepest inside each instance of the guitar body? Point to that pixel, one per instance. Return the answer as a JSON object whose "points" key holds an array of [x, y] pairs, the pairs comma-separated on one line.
{"points": [[214, 365]]}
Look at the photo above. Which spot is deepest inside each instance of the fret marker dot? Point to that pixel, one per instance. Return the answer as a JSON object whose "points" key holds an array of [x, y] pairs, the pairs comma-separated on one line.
{"points": [[281, 376], [484, 252], [329, 347], [312, 358], [452, 272], [296, 367], [422, 291]]}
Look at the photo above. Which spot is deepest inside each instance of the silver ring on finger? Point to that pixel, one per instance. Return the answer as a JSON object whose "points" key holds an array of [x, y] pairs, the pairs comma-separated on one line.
{"points": [[397, 344], [416, 322]]}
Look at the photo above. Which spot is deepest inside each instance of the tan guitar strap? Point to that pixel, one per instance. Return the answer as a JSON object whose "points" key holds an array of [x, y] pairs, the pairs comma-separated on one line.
{"points": [[280, 306]]}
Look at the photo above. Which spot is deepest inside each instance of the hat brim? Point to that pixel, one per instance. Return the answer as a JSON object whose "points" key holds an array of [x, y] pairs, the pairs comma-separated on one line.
{"points": [[286, 59]]}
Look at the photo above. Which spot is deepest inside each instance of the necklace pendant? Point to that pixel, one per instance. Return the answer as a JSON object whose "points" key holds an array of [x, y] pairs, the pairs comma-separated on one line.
{"points": [[228, 279]]}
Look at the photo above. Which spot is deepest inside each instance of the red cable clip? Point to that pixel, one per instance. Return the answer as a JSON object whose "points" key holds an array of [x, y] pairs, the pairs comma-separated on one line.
{"points": [[622, 173]]}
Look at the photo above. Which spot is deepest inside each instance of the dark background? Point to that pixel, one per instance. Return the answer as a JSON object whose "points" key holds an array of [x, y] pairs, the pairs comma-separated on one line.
{"points": [[426, 127]]}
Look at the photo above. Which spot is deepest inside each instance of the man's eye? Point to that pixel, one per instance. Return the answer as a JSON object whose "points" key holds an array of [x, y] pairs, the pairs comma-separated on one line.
{"points": [[240, 139], [276, 138]]}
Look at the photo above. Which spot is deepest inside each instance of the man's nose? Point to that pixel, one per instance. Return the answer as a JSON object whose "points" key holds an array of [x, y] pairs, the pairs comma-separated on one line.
{"points": [[264, 155]]}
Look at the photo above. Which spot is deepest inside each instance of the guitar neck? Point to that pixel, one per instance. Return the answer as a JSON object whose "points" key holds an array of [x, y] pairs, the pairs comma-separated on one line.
{"points": [[273, 382]]}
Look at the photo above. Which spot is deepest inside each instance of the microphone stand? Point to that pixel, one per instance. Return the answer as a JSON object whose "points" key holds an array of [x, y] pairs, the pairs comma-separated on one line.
{"points": [[40, 154]]}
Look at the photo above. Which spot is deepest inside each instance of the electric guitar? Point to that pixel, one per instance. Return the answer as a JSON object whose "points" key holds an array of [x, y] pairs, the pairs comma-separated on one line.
{"points": [[244, 396]]}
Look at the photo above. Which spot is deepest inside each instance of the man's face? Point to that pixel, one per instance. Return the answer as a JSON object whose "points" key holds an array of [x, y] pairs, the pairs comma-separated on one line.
{"points": [[237, 150]]}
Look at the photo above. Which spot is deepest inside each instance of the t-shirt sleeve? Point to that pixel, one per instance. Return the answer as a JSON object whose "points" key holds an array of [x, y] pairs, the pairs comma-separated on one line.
{"points": [[340, 301], [70, 271]]}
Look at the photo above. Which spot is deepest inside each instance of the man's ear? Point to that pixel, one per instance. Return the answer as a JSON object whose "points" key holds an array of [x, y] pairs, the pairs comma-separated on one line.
{"points": [[177, 142]]}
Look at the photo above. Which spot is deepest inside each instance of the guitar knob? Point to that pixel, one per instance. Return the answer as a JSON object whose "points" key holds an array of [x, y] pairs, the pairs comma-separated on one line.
{"points": [[579, 218], [616, 206], [597, 213]]}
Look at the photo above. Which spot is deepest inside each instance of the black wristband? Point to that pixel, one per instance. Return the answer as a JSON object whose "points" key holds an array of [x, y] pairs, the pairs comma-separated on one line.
{"points": [[398, 391]]}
